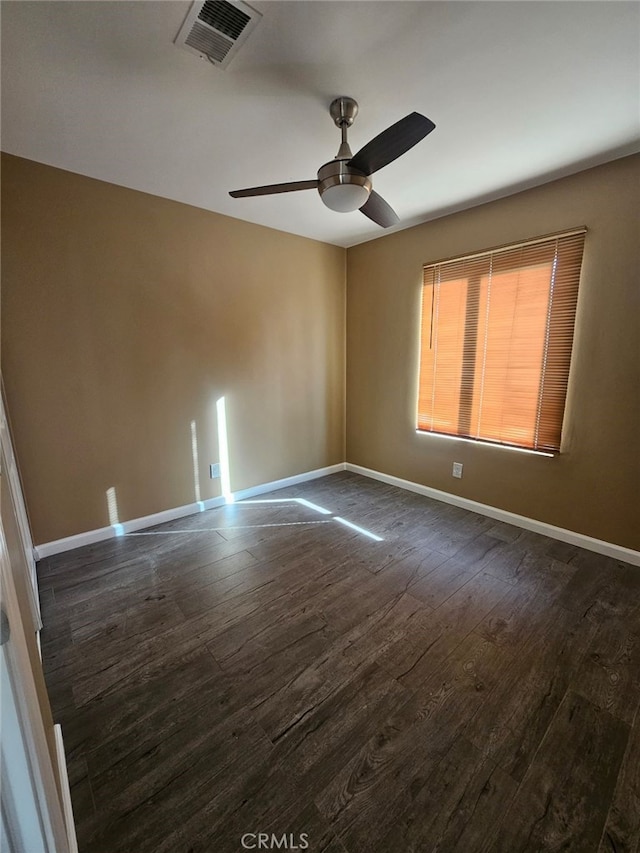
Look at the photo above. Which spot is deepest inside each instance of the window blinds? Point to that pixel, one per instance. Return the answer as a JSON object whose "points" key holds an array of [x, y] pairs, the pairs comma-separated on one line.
{"points": [[497, 332]]}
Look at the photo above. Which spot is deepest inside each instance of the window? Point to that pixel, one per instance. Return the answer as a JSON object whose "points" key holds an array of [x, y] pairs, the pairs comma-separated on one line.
{"points": [[497, 330]]}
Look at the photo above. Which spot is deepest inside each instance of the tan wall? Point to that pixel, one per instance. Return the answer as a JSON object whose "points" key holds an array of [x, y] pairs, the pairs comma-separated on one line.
{"points": [[592, 487], [126, 316]]}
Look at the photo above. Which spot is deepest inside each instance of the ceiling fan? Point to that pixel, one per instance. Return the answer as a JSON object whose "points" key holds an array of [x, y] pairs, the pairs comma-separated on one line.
{"points": [[344, 183]]}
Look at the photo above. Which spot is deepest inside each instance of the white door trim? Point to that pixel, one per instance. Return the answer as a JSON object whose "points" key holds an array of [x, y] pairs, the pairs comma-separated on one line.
{"points": [[44, 791], [10, 470]]}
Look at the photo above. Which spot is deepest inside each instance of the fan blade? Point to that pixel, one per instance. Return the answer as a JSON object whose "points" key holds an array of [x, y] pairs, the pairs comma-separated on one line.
{"points": [[391, 143], [294, 186], [377, 209]]}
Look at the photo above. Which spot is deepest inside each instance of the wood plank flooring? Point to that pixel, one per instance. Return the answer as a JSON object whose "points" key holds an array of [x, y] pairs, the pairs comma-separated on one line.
{"points": [[460, 685]]}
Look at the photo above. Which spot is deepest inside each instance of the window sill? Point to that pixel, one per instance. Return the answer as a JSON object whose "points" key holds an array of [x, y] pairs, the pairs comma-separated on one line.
{"points": [[493, 444]]}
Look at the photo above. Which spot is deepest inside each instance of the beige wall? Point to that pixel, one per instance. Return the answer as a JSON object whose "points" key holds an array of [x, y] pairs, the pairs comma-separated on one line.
{"points": [[592, 486], [126, 316]]}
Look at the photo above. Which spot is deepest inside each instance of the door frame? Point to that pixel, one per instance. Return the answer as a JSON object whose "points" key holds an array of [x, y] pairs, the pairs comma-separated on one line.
{"points": [[41, 771], [9, 469]]}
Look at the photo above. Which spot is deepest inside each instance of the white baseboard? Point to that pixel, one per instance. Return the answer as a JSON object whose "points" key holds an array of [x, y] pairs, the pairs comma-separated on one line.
{"points": [[618, 552], [288, 481], [58, 546]]}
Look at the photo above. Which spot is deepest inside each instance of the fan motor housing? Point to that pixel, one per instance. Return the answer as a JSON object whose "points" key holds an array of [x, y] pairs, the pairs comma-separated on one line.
{"points": [[342, 188]]}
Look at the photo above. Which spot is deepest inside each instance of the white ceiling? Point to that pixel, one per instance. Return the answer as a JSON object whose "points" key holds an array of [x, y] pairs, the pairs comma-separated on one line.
{"points": [[520, 92]]}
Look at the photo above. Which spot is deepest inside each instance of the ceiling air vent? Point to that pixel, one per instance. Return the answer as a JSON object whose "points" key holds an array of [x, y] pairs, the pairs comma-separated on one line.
{"points": [[215, 30]]}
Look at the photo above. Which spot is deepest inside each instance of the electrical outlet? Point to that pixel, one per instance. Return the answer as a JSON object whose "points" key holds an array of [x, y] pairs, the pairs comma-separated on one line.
{"points": [[457, 470], [214, 470]]}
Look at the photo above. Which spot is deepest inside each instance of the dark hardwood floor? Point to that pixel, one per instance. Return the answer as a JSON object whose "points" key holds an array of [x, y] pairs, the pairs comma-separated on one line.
{"points": [[461, 685]]}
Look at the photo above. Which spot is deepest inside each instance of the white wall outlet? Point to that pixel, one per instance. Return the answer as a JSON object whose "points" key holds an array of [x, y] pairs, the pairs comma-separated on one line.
{"points": [[457, 470], [214, 470]]}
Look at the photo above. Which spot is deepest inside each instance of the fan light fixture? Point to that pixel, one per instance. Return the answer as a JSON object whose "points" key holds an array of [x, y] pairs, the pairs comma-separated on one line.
{"points": [[344, 197]]}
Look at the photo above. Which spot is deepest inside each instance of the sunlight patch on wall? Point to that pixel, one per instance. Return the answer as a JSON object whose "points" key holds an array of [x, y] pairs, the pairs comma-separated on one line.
{"points": [[196, 466], [223, 451], [112, 509]]}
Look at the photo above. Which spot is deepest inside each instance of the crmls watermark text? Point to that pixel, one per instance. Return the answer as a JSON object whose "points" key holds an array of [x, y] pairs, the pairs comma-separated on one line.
{"points": [[266, 841]]}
